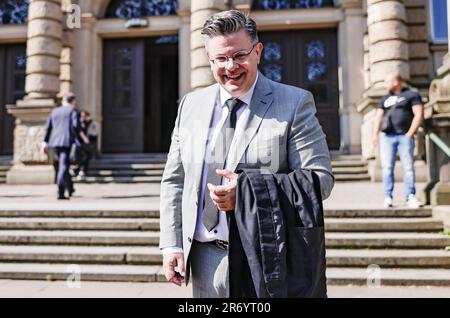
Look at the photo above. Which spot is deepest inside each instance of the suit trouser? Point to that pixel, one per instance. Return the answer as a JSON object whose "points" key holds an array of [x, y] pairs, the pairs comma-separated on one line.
{"points": [[209, 268], [63, 179]]}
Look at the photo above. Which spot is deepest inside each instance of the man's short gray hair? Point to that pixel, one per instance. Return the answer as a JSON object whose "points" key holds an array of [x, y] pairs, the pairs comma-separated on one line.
{"points": [[227, 22]]}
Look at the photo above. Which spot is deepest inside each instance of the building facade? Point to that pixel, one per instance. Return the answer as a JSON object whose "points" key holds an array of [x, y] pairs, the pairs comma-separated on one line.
{"points": [[130, 61]]}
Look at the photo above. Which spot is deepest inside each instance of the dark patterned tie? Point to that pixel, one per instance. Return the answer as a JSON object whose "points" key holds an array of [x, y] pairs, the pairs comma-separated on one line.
{"points": [[210, 216]]}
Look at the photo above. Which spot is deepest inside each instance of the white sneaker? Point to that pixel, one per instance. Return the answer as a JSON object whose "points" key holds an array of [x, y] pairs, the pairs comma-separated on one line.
{"points": [[387, 202], [413, 203]]}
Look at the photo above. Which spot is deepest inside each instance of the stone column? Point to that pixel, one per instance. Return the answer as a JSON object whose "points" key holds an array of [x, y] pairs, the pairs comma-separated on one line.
{"points": [[386, 41], [351, 61], [84, 64], [41, 86], [184, 48], [66, 78], [437, 114], [388, 35], [201, 10]]}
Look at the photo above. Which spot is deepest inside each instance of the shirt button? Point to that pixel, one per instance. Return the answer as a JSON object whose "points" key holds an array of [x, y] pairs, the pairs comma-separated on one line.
{"points": [[215, 231], [189, 239]]}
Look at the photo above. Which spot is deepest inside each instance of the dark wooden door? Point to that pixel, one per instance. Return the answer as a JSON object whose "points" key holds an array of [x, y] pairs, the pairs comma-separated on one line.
{"points": [[123, 96], [12, 87], [161, 93], [307, 59]]}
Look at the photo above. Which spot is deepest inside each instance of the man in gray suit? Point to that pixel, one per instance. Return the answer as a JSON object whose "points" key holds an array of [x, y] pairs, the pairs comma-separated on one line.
{"points": [[60, 133], [243, 121]]}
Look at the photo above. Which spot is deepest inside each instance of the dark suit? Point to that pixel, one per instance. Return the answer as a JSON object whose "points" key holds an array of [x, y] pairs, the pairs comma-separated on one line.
{"points": [[60, 133], [277, 241]]}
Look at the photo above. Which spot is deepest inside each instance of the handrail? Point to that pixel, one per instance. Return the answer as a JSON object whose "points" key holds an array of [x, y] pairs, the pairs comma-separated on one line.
{"points": [[440, 143]]}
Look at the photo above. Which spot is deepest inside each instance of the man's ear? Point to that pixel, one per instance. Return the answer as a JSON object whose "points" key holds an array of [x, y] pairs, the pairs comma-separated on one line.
{"points": [[259, 49]]}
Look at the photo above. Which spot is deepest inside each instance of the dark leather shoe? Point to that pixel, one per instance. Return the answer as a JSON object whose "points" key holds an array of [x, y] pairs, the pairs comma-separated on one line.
{"points": [[62, 198], [71, 193]]}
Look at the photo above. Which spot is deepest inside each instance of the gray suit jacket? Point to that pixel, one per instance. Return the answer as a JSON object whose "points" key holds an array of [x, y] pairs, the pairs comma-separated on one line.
{"points": [[278, 132], [62, 127]]}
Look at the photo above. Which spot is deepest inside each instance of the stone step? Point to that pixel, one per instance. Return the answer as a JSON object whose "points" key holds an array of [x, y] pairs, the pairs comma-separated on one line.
{"points": [[348, 163], [81, 254], [152, 256], [388, 258], [339, 157], [88, 272], [147, 238], [2, 180], [130, 160], [154, 213], [146, 273], [352, 177], [387, 240], [126, 224], [383, 225], [388, 276], [374, 213], [151, 238], [130, 166], [114, 224], [149, 179], [79, 213], [350, 170], [124, 173]]}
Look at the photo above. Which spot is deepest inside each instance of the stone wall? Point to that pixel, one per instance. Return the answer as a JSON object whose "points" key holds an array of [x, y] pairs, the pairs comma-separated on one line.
{"points": [[420, 63]]}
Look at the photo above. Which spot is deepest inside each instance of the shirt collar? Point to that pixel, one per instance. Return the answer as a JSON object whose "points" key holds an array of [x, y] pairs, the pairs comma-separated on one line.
{"points": [[246, 98], [66, 104]]}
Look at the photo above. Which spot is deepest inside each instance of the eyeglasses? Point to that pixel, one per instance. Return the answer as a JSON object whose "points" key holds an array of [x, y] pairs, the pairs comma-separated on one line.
{"points": [[238, 57]]}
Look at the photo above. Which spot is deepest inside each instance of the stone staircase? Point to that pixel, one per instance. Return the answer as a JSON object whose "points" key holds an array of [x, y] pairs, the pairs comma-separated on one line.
{"points": [[5, 165], [148, 168], [349, 168], [121, 245], [126, 168]]}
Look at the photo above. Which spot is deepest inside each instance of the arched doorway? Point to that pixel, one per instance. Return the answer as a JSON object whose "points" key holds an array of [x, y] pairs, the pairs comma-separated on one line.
{"points": [[140, 83]]}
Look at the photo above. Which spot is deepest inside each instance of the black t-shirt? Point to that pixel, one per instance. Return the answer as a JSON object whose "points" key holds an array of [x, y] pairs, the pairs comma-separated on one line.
{"points": [[402, 115]]}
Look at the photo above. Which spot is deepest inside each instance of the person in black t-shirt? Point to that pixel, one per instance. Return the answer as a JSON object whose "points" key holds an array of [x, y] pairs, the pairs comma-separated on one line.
{"points": [[399, 116]]}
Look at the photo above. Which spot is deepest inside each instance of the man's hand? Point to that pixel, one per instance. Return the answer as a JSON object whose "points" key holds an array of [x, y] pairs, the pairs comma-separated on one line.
{"points": [[45, 150], [224, 196], [171, 261], [409, 135]]}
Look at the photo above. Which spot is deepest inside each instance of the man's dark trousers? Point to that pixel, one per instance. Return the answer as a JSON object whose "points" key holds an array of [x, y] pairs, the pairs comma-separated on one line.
{"points": [[63, 179]]}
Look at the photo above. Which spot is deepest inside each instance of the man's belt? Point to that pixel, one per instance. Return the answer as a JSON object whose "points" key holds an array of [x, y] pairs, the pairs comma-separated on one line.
{"points": [[220, 244]]}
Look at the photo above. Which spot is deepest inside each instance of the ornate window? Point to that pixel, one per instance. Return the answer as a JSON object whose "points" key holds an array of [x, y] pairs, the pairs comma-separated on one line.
{"points": [[13, 11], [272, 68], [316, 53], [128, 9], [290, 4], [167, 39]]}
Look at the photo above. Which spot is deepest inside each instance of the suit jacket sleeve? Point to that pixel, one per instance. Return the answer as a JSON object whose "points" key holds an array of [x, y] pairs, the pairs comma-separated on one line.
{"points": [[75, 124], [48, 129], [307, 146], [172, 191]]}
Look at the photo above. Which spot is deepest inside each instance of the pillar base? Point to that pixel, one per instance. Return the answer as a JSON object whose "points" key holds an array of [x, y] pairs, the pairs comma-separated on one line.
{"points": [[32, 174], [442, 212], [440, 195]]}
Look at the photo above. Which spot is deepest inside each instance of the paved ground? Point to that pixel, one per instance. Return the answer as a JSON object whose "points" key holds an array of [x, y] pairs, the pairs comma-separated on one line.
{"points": [[39, 289], [138, 196]]}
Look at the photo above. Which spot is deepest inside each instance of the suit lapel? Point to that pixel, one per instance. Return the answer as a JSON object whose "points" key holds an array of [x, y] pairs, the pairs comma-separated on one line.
{"points": [[260, 103], [204, 114]]}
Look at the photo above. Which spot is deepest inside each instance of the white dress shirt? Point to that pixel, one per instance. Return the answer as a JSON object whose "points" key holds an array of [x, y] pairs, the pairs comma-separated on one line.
{"points": [[220, 232]]}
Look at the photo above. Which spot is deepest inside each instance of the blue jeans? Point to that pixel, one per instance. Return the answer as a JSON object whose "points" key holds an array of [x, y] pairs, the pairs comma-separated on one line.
{"points": [[389, 145]]}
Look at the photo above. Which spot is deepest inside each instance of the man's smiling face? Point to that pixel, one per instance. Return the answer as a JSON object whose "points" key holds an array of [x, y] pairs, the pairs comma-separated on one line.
{"points": [[235, 78]]}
